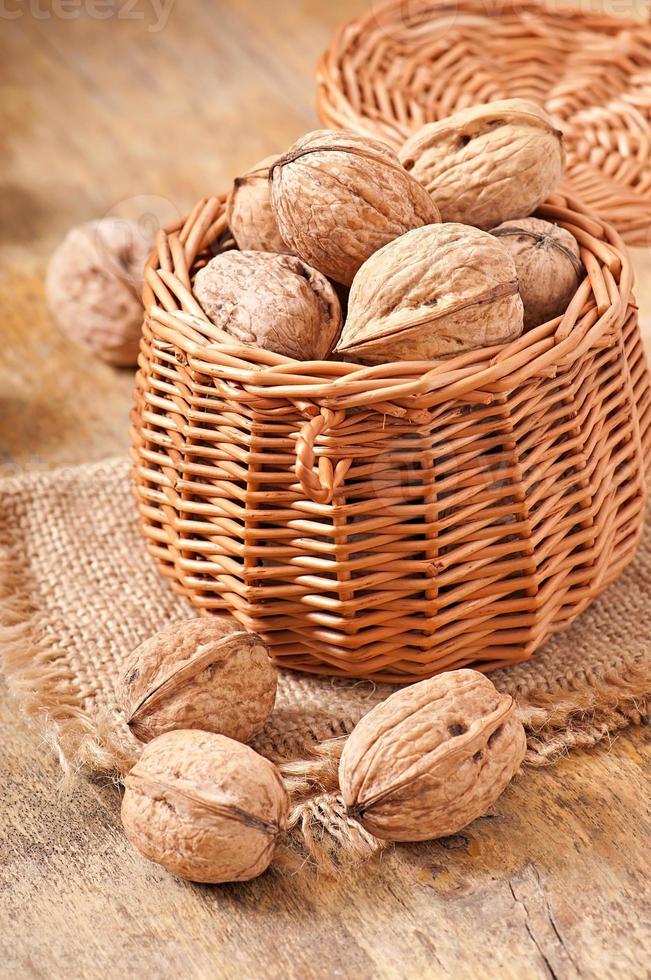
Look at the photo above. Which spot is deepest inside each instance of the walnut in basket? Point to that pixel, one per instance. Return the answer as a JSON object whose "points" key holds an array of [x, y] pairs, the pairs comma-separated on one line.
{"points": [[547, 260], [432, 757], [250, 214], [435, 292], [277, 302], [339, 197], [489, 163]]}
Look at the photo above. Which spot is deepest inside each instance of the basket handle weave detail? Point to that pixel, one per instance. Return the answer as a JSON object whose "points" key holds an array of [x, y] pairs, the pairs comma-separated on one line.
{"points": [[320, 484]]}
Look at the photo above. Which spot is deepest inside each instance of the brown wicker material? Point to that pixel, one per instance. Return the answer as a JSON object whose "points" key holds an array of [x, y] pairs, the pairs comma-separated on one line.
{"points": [[414, 61], [393, 521]]}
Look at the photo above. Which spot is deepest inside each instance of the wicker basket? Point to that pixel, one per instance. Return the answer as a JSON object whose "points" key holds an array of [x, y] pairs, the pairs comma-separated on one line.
{"points": [[393, 521], [413, 61]]}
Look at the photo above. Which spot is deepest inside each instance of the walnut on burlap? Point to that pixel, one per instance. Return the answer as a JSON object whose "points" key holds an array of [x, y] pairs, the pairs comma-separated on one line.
{"points": [[78, 592]]}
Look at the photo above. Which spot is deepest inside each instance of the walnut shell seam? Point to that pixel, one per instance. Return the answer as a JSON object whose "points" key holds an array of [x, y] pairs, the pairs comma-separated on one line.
{"points": [[501, 114], [341, 148], [514, 230], [185, 672], [148, 786], [498, 291]]}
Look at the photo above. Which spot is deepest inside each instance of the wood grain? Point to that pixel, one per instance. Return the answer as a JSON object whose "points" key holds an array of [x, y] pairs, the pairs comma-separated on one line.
{"points": [[106, 116]]}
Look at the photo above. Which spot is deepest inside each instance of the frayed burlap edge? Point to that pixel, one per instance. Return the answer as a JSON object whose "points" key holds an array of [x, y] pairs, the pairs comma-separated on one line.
{"points": [[322, 831], [41, 686]]}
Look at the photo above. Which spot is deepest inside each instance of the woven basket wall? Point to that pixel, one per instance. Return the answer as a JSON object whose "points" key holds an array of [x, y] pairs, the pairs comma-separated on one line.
{"points": [[414, 61], [393, 521]]}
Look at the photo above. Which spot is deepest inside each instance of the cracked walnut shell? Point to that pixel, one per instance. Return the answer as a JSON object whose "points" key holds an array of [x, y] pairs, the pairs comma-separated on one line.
{"points": [[272, 301], [432, 757], [489, 163], [433, 293], [205, 673], [548, 263], [205, 807], [339, 197], [250, 214]]}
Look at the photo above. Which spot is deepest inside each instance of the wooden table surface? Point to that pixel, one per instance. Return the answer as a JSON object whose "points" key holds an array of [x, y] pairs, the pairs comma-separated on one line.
{"points": [[141, 113]]}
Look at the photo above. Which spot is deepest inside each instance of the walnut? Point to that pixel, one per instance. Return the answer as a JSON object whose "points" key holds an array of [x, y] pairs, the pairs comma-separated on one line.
{"points": [[93, 285], [487, 164], [205, 807], [250, 214], [548, 264], [202, 673], [434, 292], [273, 301], [432, 757], [339, 197]]}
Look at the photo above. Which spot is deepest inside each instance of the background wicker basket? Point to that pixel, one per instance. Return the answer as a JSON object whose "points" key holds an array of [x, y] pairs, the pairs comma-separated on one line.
{"points": [[413, 61], [392, 521]]}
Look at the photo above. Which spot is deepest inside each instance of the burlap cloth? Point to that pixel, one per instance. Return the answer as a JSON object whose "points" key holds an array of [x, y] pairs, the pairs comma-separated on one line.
{"points": [[78, 593]]}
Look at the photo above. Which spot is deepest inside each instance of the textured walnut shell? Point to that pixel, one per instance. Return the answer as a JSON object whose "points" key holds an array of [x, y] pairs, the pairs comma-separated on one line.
{"points": [[339, 197], [487, 164], [432, 757], [204, 673], [205, 807], [273, 301], [93, 285], [548, 263], [250, 214], [435, 292]]}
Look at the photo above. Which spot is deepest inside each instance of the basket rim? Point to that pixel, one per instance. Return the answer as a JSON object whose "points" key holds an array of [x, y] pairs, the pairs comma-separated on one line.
{"points": [[601, 21], [181, 330]]}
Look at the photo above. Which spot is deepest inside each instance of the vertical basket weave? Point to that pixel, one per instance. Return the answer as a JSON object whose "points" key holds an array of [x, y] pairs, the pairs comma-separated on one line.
{"points": [[414, 61], [393, 521]]}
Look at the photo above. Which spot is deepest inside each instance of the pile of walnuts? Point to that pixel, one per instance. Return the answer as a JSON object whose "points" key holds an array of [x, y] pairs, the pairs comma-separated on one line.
{"points": [[207, 807], [432, 251]]}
